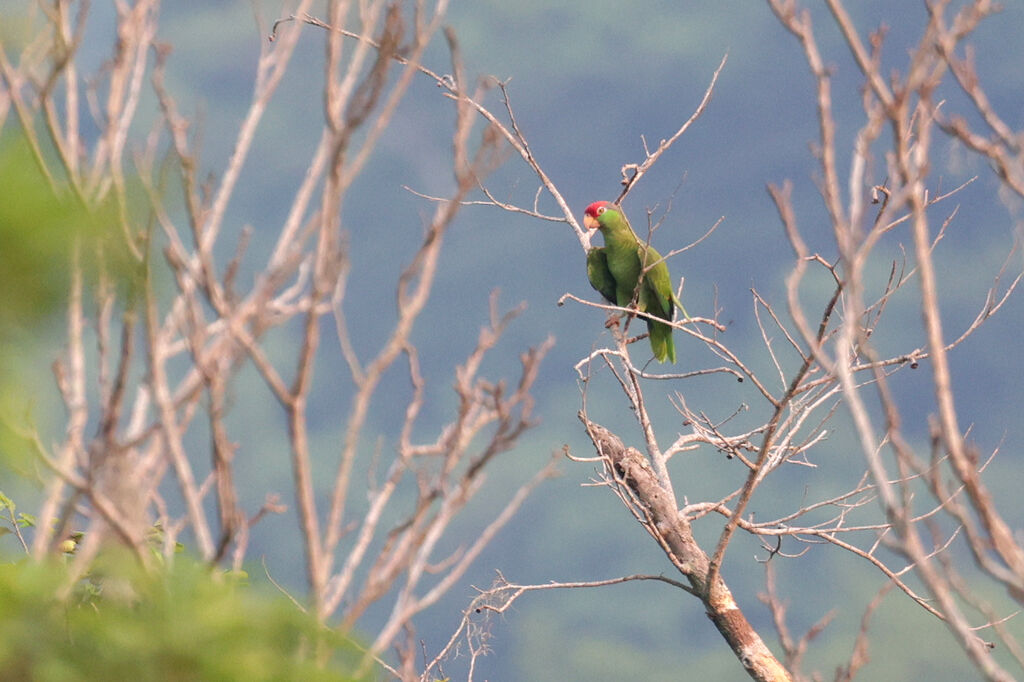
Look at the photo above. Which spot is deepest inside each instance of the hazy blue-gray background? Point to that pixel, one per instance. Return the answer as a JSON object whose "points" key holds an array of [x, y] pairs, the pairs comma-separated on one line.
{"points": [[588, 79]]}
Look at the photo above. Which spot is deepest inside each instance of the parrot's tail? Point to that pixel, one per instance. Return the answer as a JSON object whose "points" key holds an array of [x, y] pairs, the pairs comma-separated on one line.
{"points": [[661, 341]]}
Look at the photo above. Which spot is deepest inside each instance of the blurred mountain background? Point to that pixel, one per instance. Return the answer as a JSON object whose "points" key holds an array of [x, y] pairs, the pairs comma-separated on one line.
{"points": [[588, 80]]}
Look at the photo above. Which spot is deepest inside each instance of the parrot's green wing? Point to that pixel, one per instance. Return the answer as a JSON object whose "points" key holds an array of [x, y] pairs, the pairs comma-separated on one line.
{"points": [[599, 275], [657, 283], [656, 298]]}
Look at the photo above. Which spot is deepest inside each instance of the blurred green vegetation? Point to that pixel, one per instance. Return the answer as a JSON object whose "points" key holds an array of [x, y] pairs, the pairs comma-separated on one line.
{"points": [[46, 233], [36, 229], [45, 228], [183, 623]]}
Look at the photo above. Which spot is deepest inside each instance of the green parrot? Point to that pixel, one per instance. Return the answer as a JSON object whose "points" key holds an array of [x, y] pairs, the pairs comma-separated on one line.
{"points": [[615, 269]]}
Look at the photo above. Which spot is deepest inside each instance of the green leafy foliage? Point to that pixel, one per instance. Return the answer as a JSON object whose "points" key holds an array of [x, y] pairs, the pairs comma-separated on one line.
{"points": [[181, 624], [41, 224], [47, 231], [35, 232], [45, 228]]}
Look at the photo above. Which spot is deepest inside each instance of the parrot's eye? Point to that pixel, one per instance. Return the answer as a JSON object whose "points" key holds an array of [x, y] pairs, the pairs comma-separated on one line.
{"points": [[601, 209]]}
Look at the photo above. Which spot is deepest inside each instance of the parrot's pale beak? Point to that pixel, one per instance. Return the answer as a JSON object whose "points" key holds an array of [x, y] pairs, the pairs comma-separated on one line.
{"points": [[590, 222]]}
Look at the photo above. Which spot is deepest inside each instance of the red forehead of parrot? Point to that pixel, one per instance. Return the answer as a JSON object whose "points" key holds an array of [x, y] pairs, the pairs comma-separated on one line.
{"points": [[597, 208], [593, 211]]}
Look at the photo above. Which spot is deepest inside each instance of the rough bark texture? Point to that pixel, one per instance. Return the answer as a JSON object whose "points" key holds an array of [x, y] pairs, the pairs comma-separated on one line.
{"points": [[632, 470]]}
